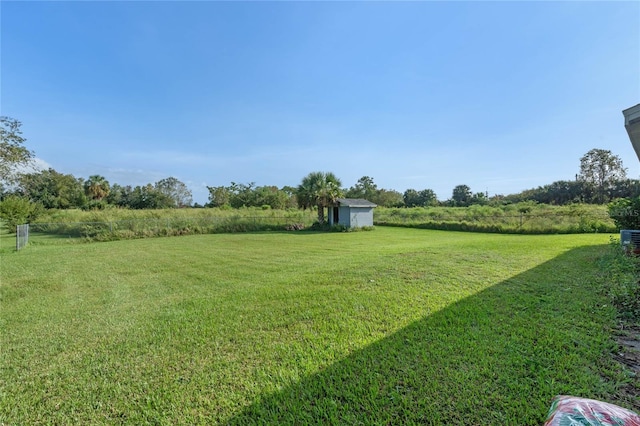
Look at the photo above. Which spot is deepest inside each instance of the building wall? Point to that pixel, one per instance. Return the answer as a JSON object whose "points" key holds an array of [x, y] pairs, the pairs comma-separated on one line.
{"points": [[632, 124], [355, 217]]}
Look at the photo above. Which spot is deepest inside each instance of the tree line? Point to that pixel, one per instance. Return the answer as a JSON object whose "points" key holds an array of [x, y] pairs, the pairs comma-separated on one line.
{"points": [[54, 190], [601, 179]]}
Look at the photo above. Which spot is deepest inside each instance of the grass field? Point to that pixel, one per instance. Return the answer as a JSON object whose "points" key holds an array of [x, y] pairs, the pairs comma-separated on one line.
{"points": [[394, 326]]}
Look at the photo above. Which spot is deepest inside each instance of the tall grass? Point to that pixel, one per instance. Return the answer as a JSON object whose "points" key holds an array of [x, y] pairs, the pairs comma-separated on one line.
{"points": [[117, 214], [523, 218], [117, 224]]}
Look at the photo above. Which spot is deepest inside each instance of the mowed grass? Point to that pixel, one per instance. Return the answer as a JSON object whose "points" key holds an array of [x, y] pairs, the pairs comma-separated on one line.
{"points": [[394, 326]]}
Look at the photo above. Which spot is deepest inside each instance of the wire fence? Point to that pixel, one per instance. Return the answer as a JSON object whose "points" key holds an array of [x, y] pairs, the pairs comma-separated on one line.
{"points": [[144, 228]]}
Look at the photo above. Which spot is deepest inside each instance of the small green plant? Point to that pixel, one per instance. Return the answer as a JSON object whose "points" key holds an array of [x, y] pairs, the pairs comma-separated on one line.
{"points": [[317, 226], [338, 228]]}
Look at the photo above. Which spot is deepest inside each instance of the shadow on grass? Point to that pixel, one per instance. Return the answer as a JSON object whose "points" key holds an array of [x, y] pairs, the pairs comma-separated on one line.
{"points": [[497, 357]]}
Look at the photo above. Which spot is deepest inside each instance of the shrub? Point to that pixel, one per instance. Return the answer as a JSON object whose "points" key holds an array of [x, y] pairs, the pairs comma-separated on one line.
{"points": [[620, 277], [625, 212], [16, 211]]}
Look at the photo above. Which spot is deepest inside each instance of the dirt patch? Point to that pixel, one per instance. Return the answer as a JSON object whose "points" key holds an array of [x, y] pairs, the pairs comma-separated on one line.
{"points": [[629, 355]]}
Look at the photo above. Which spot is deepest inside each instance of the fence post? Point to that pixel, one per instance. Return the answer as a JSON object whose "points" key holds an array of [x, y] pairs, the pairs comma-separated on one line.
{"points": [[22, 236]]}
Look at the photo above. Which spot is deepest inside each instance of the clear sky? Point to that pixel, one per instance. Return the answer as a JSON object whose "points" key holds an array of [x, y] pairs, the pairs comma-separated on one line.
{"points": [[500, 96]]}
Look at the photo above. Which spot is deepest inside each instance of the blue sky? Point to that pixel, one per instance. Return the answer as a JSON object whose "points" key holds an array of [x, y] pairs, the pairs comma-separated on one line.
{"points": [[500, 96]]}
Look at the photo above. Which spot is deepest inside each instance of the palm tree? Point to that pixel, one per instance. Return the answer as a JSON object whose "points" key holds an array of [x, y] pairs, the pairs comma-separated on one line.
{"points": [[96, 187], [319, 189]]}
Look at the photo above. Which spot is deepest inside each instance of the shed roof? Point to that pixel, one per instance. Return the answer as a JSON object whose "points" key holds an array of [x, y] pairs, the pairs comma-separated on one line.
{"points": [[355, 202]]}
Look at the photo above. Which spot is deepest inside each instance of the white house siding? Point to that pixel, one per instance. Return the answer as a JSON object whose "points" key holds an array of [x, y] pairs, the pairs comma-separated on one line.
{"points": [[632, 124]]}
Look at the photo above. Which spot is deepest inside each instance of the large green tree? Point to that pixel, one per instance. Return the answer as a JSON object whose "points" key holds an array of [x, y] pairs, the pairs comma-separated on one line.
{"points": [[388, 198], [242, 194], [600, 169], [271, 196], [461, 195], [424, 198], [118, 195], [176, 191], [319, 189], [148, 197], [248, 195], [367, 189], [219, 196], [364, 188], [13, 154], [52, 189]]}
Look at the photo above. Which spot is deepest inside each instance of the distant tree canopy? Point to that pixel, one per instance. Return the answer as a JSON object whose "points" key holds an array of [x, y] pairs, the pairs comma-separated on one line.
{"points": [[52, 189], [364, 188], [423, 198], [140, 197], [239, 195], [461, 195], [59, 191], [388, 198], [367, 189], [219, 196], [176, 191], [96, 187], [602, 178]]}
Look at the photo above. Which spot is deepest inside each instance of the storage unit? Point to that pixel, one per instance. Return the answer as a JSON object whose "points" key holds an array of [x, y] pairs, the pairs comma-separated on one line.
{"points": [[351, 212]]}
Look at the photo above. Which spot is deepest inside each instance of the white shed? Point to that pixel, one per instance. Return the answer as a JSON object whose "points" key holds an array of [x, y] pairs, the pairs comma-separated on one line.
{"points": [[351, 212]]}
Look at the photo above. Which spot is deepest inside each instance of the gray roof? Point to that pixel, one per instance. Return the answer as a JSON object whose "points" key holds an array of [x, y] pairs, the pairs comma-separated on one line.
{"points": [[355, 202]]}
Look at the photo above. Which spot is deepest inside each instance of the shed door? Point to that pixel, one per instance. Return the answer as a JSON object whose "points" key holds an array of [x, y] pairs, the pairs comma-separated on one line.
{"points": [[336, 215]]}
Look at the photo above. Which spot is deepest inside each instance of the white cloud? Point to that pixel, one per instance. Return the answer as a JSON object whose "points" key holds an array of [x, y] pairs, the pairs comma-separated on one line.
{"points": [[36, 165]]}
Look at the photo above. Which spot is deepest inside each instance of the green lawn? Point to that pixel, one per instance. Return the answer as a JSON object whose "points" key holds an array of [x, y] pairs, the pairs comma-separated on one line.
{"points": [[394, 326]]}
